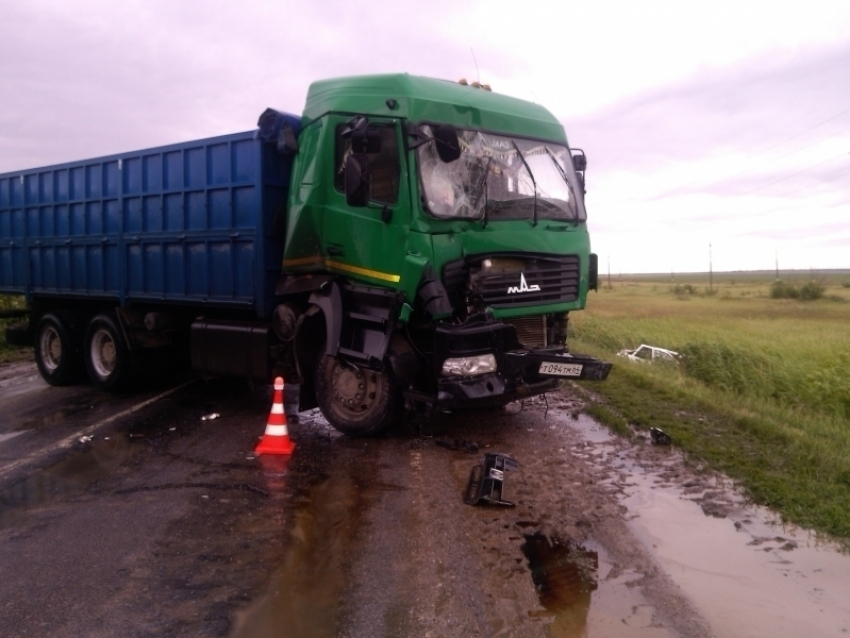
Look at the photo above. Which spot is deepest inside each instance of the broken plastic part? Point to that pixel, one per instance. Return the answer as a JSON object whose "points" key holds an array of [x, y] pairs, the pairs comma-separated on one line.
{"points": [[471, 447], [659, 437], [487, 481]]}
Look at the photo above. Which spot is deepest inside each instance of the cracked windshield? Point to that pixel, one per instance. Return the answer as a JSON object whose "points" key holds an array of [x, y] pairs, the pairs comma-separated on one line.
{"points": [[498, 178]]}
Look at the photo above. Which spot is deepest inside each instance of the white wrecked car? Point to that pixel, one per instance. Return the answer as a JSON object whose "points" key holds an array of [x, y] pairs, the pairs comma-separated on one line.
{"points": [[650, 353]]}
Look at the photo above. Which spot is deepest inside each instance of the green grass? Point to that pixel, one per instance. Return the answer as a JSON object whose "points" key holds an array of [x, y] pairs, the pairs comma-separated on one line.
{"points": [[7, 352], [763, 392]]}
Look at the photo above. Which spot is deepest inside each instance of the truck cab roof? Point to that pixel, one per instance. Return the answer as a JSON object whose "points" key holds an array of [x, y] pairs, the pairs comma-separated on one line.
{"points": [[421, 99]]}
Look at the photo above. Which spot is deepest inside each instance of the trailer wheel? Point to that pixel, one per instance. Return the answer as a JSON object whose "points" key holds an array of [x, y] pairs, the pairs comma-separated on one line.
{"points": [[107, 357], [357, 401], [56, 352]]}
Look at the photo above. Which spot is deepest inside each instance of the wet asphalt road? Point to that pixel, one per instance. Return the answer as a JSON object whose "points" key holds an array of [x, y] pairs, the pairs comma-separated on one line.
{"points": [[130, 516]]}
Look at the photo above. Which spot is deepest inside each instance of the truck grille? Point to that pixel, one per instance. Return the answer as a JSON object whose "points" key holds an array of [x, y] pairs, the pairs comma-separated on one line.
{"points": [[527, 280], [530, 331]]}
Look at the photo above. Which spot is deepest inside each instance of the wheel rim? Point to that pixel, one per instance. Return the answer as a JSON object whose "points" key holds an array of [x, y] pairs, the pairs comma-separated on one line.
{"points": [[104, 353], [354, 391], [50, 347]]}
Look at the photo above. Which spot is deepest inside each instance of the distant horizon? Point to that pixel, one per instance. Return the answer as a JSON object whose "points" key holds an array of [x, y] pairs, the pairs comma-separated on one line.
{"points": [[765, 271]]}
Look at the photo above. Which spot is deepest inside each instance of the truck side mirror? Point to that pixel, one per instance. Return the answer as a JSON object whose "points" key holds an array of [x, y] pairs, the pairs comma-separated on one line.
{"points": [[448, 145], [357, 180], [579, 161], [416, 137], [593, 272]]}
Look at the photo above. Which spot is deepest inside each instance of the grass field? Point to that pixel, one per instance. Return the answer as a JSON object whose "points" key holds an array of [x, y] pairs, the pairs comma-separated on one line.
{"points": [[9, 353], [763, 390]]}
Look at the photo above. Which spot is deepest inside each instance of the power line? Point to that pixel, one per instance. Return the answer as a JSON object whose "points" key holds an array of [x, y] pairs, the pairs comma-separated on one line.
{"points": [[738, 176], [791, 175], [796, 150], [687, 187], [820, 183], [834, 117]]}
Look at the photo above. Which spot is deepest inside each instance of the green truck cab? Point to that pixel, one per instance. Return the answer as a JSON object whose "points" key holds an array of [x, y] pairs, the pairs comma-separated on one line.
{"points": [[435, 243]]}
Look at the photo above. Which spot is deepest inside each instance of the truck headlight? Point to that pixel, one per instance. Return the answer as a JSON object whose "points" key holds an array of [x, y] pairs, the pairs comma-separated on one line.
{"points": [[469, 366]]}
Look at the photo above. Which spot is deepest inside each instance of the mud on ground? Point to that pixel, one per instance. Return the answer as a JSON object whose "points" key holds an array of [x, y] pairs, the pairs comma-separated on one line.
{"points": [[384, 545]]}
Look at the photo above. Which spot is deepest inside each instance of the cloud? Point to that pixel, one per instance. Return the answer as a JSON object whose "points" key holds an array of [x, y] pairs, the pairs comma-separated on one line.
{"points": [[90, 78], [748, 108], [753, 157]]}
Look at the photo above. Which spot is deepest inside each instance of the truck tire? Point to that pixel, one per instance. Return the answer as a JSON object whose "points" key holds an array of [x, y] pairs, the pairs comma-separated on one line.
{"points": [[56, 351], [107, 358], [356, 401]]}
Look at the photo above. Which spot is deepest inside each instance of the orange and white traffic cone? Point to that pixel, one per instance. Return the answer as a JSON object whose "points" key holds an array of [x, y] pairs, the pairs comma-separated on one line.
{"points": [[276, 439]]}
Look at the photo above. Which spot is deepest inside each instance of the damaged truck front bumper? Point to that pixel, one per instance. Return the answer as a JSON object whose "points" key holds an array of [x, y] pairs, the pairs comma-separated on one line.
{"points": [[519, 372]]}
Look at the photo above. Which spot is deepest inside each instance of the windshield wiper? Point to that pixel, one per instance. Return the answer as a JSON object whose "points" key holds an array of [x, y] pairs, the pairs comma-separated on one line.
{"points": [[482, 188], [530, 174], [566, 181]]}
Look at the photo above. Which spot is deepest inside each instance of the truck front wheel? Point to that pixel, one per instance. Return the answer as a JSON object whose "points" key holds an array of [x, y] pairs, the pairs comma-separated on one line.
{"points": [[107, 357], [56, 353], [357, 401]]}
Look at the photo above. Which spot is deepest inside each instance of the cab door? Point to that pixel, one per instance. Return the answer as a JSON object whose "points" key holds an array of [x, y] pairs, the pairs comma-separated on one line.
{"points": [[369, 243]]}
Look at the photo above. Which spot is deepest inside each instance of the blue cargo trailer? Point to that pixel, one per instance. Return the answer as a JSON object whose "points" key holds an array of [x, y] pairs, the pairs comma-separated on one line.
{"points": [[119, 256], [189, 223]]}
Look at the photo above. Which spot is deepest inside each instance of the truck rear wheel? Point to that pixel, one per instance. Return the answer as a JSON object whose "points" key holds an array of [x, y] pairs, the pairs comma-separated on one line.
{"points": [[356, 401], [56, 352], [107, 357]]}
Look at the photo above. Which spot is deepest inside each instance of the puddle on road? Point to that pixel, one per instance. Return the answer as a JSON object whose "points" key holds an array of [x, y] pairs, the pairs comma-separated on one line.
{"points": [[746, 574], [11, 435], [13, 384], [564, 576], [578, 588], [303, 597], [591, 431], [87, 403], [67, 479]]}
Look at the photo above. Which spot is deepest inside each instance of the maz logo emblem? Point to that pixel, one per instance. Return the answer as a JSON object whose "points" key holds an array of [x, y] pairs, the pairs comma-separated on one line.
{"points": [[523, 286]]}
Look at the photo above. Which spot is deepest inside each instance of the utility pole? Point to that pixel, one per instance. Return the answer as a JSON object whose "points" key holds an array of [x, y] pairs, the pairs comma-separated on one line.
{"points": [[609, 271], [777, 265], [710, 269]]}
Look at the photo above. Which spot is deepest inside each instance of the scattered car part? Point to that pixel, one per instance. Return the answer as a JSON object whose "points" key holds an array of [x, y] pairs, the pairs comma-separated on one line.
{"points": [[487, 481], [659, 437], [471, 447]]}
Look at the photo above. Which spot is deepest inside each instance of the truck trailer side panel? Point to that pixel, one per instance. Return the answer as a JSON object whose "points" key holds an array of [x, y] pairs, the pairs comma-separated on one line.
{"points": [[190, 224]]}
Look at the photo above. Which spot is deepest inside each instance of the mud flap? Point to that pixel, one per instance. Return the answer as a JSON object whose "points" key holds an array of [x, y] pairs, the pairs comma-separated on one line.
{"points": [[487, 481]]}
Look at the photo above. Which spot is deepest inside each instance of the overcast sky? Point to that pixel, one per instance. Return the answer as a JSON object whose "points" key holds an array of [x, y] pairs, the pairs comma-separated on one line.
{"points": [[704, 122]]}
